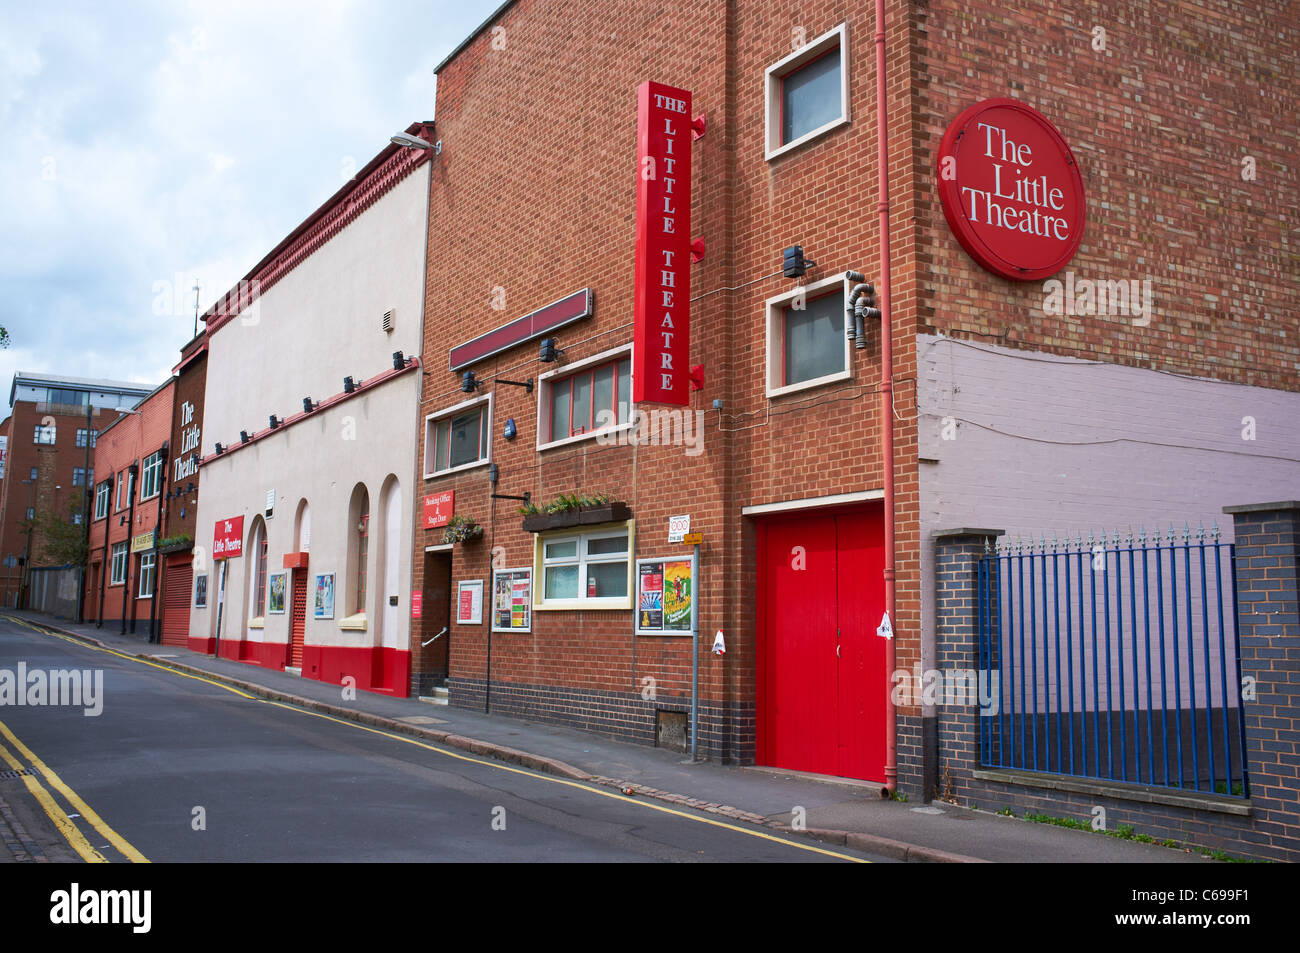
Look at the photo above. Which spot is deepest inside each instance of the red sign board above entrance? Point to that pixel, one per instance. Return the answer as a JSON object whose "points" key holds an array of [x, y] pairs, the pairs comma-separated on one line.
{"points": [[555, 315], [662, 310], [1011, 190]]}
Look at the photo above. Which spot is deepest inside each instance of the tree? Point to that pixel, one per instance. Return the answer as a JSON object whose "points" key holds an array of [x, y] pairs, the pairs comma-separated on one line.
{"points": [[4, 337], [61, 542]]}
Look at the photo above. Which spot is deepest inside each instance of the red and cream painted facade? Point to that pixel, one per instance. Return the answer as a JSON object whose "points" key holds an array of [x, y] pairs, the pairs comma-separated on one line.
{"points": [[318, 503], [535, 194]]}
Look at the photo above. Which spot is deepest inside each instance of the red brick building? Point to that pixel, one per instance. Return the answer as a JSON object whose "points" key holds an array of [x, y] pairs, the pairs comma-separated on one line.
{"points": [[50, 440], [128, 507], [1075, 418]]}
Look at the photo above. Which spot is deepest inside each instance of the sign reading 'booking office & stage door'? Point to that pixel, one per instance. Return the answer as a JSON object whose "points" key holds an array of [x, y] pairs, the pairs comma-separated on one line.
{"points": [[662, 309], [1011, 190]]}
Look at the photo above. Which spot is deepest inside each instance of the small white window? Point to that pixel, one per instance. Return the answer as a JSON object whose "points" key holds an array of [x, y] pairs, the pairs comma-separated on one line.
{"points": [[119, 564], [459, 437], [151, 476], [586, 570], [148, 564], [807, 344], [807, 92]]}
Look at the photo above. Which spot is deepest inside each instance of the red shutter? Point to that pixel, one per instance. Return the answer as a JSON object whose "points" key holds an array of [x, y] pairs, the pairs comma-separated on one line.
{"points": [[176, 600]]}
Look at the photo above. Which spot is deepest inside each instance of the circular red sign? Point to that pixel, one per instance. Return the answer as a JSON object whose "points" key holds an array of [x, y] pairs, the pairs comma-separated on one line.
{"points": [[1011, 190]]}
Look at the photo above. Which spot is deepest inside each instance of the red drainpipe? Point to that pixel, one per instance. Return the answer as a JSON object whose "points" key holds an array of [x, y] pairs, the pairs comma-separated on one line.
{"points": [[886, 392]]}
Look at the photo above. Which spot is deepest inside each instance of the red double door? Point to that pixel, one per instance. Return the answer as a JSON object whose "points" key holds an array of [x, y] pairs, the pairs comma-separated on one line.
{"points": [[822, 691]]}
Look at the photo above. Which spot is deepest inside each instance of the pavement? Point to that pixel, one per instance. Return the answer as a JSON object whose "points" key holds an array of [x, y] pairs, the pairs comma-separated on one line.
{"points": [[831, 810]]}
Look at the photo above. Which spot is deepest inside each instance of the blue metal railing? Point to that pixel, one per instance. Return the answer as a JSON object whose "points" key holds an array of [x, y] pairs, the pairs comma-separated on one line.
{"points": [[1115, 661]]}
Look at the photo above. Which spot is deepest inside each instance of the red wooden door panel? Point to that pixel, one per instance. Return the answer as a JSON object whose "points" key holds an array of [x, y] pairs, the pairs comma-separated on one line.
{"points": [[862, 686], [797, 694], [176, 602]]}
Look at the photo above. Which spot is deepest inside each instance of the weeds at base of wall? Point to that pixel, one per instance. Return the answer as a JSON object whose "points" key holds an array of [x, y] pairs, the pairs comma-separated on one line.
{"points": [[1126, 832], [946, 795]]}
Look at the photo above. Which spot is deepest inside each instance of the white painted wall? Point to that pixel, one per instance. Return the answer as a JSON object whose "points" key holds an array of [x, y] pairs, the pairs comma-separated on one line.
{"points": [[315, 326], [1046, 444]]}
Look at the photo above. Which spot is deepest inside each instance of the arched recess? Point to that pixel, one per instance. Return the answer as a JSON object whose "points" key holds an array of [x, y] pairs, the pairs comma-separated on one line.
{"points": [[388, 555], [355, 588], [255, 572], [302, 527]]}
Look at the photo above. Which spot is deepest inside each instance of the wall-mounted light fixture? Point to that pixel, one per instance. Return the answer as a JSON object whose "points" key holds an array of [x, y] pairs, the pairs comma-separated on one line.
{"points": [[793, 263], [244, 437], [349, 385], [275, 421], [468, 384], [308, 406], [220, 449], [550, 352], [399, 361]]}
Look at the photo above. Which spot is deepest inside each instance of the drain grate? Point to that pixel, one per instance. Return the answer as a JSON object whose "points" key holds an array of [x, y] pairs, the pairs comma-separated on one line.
{"points": [[11, 775]]}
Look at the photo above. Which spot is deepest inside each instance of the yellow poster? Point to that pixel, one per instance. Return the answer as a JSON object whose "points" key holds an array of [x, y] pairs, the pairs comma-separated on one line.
{"points": [[677, 595]]}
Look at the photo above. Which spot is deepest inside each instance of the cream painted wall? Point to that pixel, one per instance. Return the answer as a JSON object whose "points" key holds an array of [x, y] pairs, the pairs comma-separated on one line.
{"points": [[317, 325]]}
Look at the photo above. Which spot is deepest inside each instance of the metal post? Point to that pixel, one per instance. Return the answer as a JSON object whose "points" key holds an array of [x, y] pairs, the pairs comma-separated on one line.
{"points": [[695, 644], [221, 605], [86, 496]]}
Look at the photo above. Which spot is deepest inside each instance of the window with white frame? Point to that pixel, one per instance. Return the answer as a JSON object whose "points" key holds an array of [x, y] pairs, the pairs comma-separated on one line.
{"points": [[44, 434], [119, 564], [83, 435], [458, 437], [806, 341], [586, 570], [81, 476], [807, 92], [586, 398], [148, 566], [151, 476], [102, 494]]}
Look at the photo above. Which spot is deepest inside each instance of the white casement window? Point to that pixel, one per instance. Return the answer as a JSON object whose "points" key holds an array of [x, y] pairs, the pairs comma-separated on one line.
{"points": [[119, 564], [586, 570], [102, 494], [83, 435], [459, 437], [807, 344], [807, 92], [151, 476], [148, 566], [44, 435], [586, 398]]}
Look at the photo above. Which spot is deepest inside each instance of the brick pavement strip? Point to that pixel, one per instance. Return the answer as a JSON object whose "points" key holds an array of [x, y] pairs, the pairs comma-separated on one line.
{"points": [[16, 839]]}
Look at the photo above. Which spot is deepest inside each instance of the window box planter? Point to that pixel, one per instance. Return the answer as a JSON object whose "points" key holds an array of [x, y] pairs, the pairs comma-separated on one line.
{"points": [[581, 516]]}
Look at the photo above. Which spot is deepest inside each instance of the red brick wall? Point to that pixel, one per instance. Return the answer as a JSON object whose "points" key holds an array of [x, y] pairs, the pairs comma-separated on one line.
{"points": [[129, 441], [533, 192], [1160, 122]]}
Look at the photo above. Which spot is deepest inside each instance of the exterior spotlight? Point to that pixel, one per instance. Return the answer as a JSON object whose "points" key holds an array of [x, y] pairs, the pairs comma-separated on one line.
{"points": [[408, 141], [243, 437], [467, 383], [549, 351], [308, 406], [275, 421], [220, 449], [399, 361], [189, 488], [793, 263], [349, 385]]}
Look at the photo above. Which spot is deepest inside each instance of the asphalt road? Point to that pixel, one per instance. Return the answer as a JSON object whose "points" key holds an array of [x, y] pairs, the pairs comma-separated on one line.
{"points": [[176, 768]]}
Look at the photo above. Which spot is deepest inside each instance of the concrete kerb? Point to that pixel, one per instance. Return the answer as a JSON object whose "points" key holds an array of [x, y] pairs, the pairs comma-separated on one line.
{"points": [[870, 843]]}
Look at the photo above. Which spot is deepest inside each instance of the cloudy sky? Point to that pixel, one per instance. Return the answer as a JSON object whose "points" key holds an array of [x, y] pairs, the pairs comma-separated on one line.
{"points": [[144, 145]]}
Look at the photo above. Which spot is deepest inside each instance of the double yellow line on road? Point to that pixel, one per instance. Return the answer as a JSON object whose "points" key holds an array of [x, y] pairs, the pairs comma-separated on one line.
{"points": [[592, 789]]}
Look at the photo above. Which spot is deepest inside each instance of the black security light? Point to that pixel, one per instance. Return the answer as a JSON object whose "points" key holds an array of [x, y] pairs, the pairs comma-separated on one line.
{"points": [[467, 383], [550, 352], [308, 406], [349, 385], [244, 437], [220, 449], [275, 421], [793, 263]]}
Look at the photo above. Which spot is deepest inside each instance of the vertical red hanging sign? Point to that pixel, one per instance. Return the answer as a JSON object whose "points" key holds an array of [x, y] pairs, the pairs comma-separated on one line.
{"points": [[662, 339]]}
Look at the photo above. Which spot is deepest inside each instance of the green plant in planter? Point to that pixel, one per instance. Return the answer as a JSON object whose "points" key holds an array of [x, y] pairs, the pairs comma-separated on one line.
{"points": [[573, 501], [528, 509], [460, 529]]}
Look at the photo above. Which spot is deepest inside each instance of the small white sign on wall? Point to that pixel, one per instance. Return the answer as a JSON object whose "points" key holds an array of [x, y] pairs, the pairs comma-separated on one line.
{"points": [[678, 526], [469, 604]]}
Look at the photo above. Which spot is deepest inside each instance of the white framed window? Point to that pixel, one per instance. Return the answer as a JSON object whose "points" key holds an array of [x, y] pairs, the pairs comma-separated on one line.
{"points": [[151, 476], [44, 434], [806, 341], [807, 92], [83, 435], [459, 437], [585, 570], [586, 398], [102, 494], [119, 564], [148, 566]]}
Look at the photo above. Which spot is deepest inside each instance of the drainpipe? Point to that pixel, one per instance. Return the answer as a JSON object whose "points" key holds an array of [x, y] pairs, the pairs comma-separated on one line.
{"points": [[886, 390], [132, 470], [157, 535]]}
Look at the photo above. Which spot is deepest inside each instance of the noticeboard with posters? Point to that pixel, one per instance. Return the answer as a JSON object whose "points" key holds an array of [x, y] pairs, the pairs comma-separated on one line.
{"points": [[512, 600], [665, 595]]}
